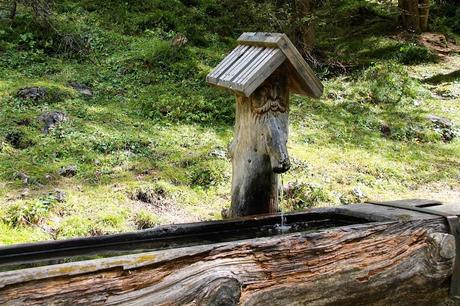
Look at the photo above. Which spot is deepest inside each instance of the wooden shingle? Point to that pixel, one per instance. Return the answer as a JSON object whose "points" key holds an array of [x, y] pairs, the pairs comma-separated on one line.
{"points": [[256, 57]]}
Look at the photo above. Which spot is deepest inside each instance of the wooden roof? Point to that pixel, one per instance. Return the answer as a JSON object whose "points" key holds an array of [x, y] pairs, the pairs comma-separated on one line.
{"points": [[256, 57]]}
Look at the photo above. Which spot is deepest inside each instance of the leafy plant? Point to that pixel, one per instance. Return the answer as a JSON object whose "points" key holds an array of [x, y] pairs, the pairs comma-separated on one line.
{"points": [[144, 220], [29, 212], [411, 53], [299, 195]]}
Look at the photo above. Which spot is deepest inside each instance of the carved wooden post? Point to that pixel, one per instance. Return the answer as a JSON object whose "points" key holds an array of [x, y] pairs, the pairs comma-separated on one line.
{"points": [[259, 149], [262, 70]]}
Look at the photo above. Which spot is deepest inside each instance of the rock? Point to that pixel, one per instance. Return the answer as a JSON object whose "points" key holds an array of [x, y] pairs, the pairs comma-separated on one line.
{"points": [[385, 130], [357, 192], [440, 122], [224, 213], [444, 126], [60, 196], [25, 192], [179, 40], [219, 153], [23, 177], [68, 171], [82, 88], [32, 93], [156, 197], [52, 119]]}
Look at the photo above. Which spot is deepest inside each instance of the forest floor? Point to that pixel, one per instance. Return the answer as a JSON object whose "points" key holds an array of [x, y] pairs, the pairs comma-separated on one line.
{"points": [[144, 139]]}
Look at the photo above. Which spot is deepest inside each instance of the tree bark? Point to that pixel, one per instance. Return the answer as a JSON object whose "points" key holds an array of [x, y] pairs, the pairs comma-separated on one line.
{"points": [[414, 14], [13, 11], [304, 32], [424, 11], [406, 262]]}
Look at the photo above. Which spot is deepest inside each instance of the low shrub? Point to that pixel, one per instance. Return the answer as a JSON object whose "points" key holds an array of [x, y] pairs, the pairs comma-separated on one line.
{"points": [[299, 195], [144, 219], [390, 84], [411, 54], [29, 212], [207, 173]]}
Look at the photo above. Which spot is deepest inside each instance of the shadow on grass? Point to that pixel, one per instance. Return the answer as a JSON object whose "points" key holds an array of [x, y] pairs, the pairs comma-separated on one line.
{"points": [[441, 78]]}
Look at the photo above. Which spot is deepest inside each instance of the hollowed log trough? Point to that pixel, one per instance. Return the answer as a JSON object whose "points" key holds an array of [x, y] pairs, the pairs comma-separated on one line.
{"points": [[359, 254]]}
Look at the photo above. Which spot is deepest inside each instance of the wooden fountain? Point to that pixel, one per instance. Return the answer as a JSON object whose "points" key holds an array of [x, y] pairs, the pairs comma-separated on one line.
{"points": [[381, 253], [261, 71]]}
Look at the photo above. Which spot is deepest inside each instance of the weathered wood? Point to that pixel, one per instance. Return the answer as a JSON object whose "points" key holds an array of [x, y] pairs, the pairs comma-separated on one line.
{"points": [[305, 74], [229, 59], [169, 236], [261, 71], [256, 78], [259, 150], [309, 84], [256, 57], [261, 39], [246, 68], [390, 263]]}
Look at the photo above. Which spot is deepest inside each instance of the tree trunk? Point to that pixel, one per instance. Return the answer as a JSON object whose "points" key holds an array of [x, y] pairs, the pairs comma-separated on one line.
{"points": [[414, 14], [304, 35], [13, 11], [424, 11], [405, 262]]}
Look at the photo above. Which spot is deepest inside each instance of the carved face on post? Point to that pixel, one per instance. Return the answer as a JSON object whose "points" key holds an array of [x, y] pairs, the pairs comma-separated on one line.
{"points": [[269, 107], [259, 149]]}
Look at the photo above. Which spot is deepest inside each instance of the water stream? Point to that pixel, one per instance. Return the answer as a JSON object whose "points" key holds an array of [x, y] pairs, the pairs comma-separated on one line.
{"points": [[282, 228]]}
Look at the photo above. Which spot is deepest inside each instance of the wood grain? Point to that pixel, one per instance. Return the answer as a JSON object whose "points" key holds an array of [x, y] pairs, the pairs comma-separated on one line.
{"points": [[256, 57], [390, 263]]}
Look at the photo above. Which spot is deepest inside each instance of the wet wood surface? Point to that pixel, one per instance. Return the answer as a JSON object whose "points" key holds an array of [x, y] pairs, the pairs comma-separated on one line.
{"points": [[406, 262]]}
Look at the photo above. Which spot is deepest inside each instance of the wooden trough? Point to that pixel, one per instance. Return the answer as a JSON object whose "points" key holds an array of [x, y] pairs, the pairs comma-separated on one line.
{"points": [[396, 253]]}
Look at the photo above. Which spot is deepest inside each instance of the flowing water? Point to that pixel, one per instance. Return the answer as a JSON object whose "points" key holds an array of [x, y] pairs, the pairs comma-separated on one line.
{"points": [[282, 228]]}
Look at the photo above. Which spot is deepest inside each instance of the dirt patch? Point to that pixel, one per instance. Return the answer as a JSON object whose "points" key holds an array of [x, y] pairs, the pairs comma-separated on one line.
{"points": [[158, 202], [438, 44]]}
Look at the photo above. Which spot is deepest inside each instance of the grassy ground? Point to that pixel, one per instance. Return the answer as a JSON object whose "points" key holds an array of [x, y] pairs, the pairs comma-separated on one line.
{"points": [[150, 144]]}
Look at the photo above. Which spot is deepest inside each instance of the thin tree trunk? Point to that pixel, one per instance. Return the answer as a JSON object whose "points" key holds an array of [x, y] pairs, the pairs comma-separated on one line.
{"points": [[13, 11], [424, 9], [305, 33]]}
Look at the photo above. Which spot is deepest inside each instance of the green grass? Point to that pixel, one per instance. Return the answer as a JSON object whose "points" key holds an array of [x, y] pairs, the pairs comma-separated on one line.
{"points": [[153, 124]]}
